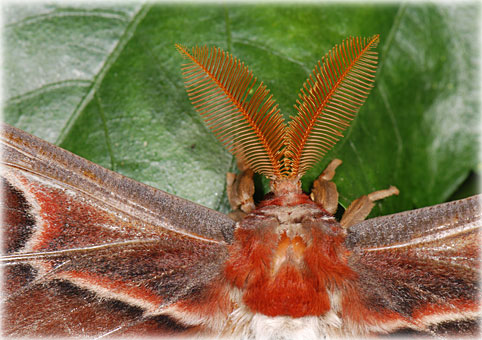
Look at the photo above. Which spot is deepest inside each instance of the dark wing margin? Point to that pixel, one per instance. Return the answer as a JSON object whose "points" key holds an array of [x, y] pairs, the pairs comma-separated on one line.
{"points": [[87, 251], [419, 268]]}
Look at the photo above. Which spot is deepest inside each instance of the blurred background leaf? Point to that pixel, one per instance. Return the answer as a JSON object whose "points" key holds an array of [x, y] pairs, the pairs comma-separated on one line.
{"points": [[104, 81]]}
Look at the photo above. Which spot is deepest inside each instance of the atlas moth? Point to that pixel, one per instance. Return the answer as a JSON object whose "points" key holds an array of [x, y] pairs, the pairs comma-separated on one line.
{"points": [[88, 252]]}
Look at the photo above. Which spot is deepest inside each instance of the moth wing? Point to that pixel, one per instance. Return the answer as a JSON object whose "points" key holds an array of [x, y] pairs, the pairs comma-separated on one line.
{"points": [[416, 269], [88, 251]]}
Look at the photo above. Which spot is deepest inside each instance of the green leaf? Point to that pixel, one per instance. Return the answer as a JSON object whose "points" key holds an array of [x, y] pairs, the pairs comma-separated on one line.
{"points": [[105, 83]]}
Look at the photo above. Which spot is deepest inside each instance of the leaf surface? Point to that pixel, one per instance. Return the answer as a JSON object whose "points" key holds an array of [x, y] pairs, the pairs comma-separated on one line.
{"points": [[105, 82]]}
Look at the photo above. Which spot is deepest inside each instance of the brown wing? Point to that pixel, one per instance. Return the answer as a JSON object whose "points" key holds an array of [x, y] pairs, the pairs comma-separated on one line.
{"points": [[90, 252], [418, 269]]}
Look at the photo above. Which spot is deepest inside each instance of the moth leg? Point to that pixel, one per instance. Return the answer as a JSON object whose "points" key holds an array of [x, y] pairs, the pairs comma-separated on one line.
{"points": [[324, 190], [361, 207], [240, 190]]}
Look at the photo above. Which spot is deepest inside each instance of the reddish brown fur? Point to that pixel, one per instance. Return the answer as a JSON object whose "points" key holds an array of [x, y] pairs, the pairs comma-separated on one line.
{"points": [[314, 263], [326, 259], [247, 265]]}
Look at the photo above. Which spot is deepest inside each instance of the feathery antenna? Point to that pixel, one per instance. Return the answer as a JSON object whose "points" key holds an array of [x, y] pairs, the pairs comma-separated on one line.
{"points": [[248, 124], [330, 98]]}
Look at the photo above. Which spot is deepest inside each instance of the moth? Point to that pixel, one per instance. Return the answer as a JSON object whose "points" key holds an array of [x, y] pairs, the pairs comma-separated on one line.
{"points": [[88, 252]]}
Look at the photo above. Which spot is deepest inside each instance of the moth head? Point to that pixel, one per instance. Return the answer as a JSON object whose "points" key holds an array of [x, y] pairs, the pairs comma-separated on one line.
{"points": [[247, 121]]}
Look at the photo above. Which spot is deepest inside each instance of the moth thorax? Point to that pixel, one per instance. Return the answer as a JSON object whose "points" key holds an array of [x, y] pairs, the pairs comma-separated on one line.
{"points": [[286, 260]]}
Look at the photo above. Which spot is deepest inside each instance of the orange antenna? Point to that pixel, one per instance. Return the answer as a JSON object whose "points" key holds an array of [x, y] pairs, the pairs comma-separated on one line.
{"points": [[248, 124], [330, 98]]}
